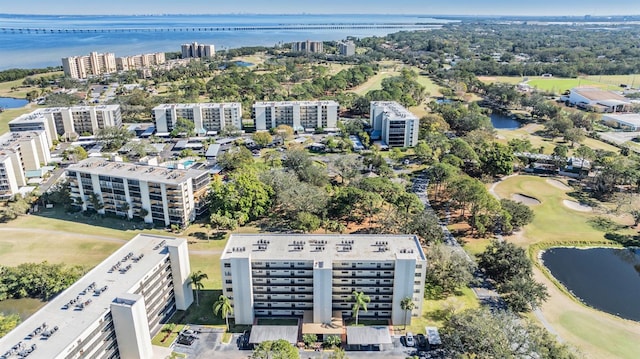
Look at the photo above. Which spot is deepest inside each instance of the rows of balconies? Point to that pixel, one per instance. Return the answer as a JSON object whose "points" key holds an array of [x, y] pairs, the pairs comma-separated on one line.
{"points": [[373, 306], [283, 297], [363, 282], [362, 273], [366, 290], [281, 313], [284, 273], [362, 265], [282, 289], [374, 298], [282, 281]]}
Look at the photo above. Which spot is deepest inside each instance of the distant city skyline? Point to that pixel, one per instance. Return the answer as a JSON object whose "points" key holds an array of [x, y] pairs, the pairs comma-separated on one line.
{"points": [[453, 7]]}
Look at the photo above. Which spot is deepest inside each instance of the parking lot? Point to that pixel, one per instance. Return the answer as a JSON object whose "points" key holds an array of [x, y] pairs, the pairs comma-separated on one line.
{"points": [[206, 343]]}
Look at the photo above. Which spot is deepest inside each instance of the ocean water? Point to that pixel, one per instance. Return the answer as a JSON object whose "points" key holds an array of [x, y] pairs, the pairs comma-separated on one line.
{"points": [[46, 48]]}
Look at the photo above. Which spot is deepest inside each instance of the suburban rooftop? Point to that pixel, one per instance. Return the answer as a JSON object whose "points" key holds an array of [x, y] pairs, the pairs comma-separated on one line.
{"points": [[596, 94], [9, 141], [38, 115], [88, 300], [101, 166], [323, 248]]}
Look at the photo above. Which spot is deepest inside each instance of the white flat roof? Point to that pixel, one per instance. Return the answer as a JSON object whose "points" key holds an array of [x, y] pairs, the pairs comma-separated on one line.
{"points": [[632, 119], [166, 106], [368, 335], [395, 110], [73, 322], [323, 249], [262, 333], [292, 103], [157, 174]]}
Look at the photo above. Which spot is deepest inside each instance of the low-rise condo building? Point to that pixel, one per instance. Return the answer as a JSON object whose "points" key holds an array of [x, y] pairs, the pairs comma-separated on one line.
{"points": [[207, 117], [301, 115], [68, 122], [20, 152], [267, 275], [114, 310], [94, 64], [393, 124], [158, 194]]}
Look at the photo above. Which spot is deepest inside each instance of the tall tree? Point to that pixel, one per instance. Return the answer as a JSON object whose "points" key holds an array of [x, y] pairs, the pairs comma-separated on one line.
{"points": [[360, 301], [277, 349], [196, 282], [448, 270], [223, 307], [407, 305]]}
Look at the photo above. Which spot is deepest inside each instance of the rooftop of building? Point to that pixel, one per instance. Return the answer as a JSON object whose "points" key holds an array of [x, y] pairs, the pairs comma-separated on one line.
{"points": [[292, 103], [10, 141], [324, 248], [166, 106], [101, 166], [395, 110], [628, 118], [596, 94], [38, 115], [70, 314]]}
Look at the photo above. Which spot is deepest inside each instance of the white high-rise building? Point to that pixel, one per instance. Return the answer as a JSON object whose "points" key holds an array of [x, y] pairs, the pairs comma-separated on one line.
{"points": [[81, 67], [20, 152], [166, 196], [301, 115], [206, 117], [308, 46], [393, 124], [314, 276], [114, 310], [68, 122], [347, 48], [197, 50]]}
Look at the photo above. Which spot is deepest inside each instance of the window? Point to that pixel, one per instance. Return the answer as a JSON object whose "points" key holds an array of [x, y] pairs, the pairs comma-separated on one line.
{"points": [[227, 265], [228, 281]]}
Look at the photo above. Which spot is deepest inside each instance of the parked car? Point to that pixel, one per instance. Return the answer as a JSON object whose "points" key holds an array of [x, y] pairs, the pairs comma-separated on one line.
{"points": [[409, 340], [421, 341]]}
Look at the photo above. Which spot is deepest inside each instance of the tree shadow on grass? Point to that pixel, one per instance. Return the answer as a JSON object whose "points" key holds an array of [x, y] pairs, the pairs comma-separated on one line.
{"points": [[202, 236], [106, 221], [583, 198]]}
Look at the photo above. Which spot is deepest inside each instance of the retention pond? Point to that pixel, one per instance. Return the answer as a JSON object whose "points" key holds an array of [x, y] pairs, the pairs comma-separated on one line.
{"points": [[607, 279]]}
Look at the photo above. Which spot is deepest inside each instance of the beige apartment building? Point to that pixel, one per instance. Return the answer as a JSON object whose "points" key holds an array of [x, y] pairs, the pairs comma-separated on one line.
{"points": [[165, 196], [308, 46], [20, 152], [301, 115], [138, 62], [314, 276], [68, 122], [195, 50], [94, 64], [207, 117], [114, 310]]}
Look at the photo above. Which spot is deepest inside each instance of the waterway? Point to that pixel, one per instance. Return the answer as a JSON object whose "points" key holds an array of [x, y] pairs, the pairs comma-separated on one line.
{"points": [[56, 38], [503, 122], [9, 102], [607, 279]]}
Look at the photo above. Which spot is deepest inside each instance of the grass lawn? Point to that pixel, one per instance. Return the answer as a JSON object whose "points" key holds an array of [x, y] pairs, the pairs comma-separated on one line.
{"points": [[595, 333], [616, 80], [164, 339], [21, 92], [434, 312], [560, 85], [374, 83]]}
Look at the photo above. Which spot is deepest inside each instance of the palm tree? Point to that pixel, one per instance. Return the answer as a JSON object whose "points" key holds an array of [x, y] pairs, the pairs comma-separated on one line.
{"points": [[360, 300], [196, 281], [407, 305], [223, 308]]}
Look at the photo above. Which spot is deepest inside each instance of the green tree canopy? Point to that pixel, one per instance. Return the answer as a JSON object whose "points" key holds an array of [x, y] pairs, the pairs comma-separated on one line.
{"points": [[278, 349]]}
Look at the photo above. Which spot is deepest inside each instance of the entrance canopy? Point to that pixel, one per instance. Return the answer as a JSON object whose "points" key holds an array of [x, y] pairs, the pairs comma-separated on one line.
{"points": [[262, 333], [336, 327], [368, 335]]}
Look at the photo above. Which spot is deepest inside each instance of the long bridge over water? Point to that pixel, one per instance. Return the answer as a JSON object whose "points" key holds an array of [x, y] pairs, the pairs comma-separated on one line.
{"points": [[16, 30]]}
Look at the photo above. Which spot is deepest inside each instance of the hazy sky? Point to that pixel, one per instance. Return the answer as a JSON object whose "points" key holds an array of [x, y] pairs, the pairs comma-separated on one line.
{"points": [[454, 7]]}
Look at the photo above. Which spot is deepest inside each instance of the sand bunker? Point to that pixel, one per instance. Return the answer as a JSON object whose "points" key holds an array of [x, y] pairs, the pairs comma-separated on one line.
{"points": [[524, 199], [577, 206], [558, 184]]}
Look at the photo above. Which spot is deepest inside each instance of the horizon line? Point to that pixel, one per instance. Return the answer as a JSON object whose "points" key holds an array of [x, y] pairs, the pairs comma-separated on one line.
{"points": [[328, 14]]}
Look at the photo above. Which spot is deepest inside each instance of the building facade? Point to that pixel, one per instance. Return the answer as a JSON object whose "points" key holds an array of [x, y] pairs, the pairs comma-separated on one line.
{"points": [[197, 50], [138, 62], [20, 152], [288, 275], [316, 47], [114, 310], [157, 194], [597, 100], [206, 117], [393, 124], [347, 48], [94, 64], [69, 122], [301, 115]]}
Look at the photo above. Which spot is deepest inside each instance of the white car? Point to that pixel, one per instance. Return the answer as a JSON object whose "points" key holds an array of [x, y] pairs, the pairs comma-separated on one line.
{"points": [[409, 340]]}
